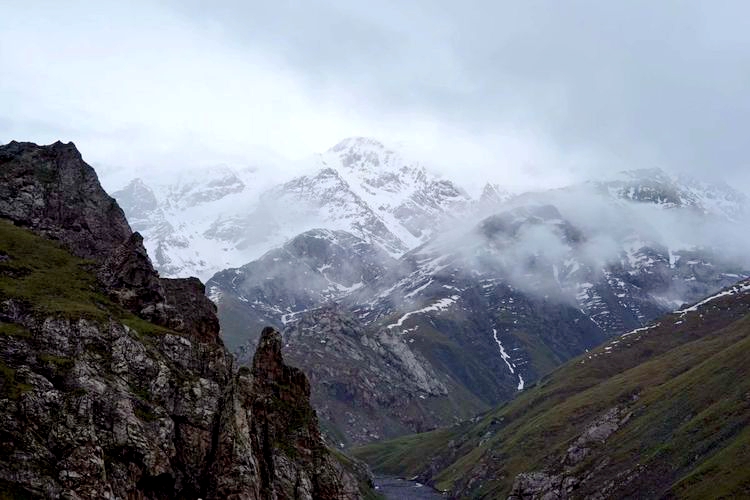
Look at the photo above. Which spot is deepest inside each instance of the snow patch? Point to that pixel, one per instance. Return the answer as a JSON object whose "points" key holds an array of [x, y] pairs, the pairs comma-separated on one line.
{"points": [[440, 305], [506, 357], [731, 291]]}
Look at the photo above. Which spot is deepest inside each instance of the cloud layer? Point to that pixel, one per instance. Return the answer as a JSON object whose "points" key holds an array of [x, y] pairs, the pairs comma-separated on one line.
{"points": [[536, 92]]}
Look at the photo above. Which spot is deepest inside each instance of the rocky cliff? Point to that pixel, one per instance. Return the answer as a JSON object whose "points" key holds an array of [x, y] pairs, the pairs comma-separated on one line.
{"points": [[114, 383]]}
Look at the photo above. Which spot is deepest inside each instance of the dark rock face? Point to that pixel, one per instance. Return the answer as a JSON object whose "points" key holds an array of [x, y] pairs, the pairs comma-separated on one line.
{"points": [[269, 407], [107, 405], [53, 192], [104, 413], [189, 309]]}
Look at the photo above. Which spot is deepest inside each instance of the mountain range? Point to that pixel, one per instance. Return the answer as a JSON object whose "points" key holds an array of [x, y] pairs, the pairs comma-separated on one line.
{"points": [[202, 221], [411, 305], [575, 342]]}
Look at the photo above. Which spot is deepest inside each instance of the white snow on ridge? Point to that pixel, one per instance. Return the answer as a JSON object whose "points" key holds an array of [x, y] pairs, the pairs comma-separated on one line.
{"points": [[440, 305], [638, 330], [214, 294], [731, 291], [417, 290]]}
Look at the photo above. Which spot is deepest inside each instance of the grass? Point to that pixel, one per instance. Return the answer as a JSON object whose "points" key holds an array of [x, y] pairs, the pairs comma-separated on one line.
{"points": [[39, 272], [142, 326], [14, 330], [404, 456], [10, 388], [61, 364], [689, 423], [46, 278]]}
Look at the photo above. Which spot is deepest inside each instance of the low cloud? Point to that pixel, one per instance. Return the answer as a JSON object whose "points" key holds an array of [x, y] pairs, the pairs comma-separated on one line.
{"points": [[524, 94]]}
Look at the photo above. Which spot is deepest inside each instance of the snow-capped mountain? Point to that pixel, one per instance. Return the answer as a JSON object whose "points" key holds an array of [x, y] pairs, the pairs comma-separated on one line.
{"points": [[404, 195], [409, 303], [656, 187], [175, 215], [315, 267], [204, 221], [486, 309], [200, 221]]}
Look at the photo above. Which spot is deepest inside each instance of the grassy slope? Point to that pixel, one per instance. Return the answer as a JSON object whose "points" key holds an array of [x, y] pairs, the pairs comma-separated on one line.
{"points": [[688, 431], [50, 281]]}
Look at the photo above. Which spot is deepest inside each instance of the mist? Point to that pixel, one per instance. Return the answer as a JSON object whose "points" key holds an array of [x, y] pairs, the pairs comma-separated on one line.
{"points": [[548, 243], [530, 96]]}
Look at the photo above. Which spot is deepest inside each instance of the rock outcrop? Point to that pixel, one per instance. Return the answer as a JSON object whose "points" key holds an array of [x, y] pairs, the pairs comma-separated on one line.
{"points": [[53, 192], [114, 383], [270, 405]]}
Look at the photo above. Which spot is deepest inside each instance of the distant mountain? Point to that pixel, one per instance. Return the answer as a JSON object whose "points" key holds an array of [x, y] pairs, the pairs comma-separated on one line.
{"points": [[658, 412], [377, 269], [657, 187], [315, 267], [477, 313], [203, 221]]}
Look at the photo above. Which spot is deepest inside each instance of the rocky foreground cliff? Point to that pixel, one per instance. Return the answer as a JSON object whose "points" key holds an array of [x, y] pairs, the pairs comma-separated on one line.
{"points": [[114, 383]]}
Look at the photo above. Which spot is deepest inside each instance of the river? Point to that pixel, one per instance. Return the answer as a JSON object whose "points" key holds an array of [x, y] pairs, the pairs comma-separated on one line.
{"points": [[394, 488]]}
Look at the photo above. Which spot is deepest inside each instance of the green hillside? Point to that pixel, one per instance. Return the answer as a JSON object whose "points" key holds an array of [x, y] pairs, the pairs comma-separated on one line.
{"points": [[661, 412], [48, 280]]}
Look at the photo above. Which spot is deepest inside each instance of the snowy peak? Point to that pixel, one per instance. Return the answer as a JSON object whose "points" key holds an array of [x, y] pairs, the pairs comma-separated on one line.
{"points": [[657, 187], [136, 199], [365, 155], [331, 202], [645, 186], [357, 142], [493, 194], [715, 199], [198, 187], [402, 193]]}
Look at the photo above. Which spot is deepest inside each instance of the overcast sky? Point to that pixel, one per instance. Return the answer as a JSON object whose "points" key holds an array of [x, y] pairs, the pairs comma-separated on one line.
{"points": [[541, 90]]}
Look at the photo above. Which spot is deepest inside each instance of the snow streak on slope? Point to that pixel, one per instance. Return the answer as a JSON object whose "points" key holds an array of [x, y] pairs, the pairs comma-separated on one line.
{"points": [[507, 360]]}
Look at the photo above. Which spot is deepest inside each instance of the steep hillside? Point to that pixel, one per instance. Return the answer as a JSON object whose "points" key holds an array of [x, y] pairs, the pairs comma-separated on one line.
{"points": [[114, 383], [478, 312], [661, 411], [385, 359]]}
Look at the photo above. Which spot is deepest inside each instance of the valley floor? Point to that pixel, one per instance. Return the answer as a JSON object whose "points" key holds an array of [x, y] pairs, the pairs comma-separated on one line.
{"points": [[393, 488]]}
